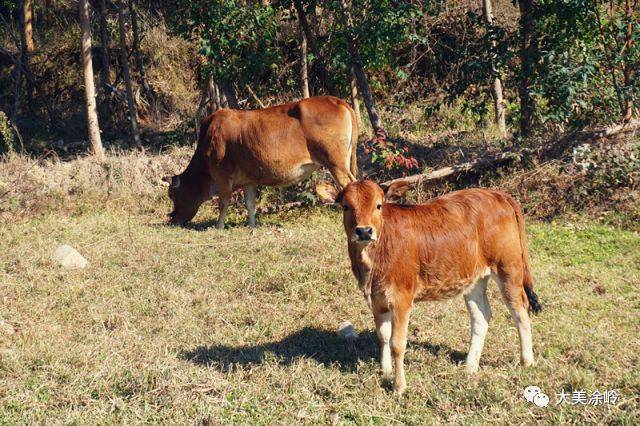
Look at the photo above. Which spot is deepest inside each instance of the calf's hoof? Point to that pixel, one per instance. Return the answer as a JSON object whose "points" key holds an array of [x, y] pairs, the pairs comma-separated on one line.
{"points": [[527, 362], [472, 368], [399, 388]]}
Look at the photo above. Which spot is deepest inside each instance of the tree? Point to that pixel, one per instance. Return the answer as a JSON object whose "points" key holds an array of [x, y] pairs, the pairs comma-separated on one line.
{"points": [[127, 77], [304, 68], [528, 55], [322, 73], [354, 97], [27, 9], [26, 47], [89, 85], [496, 83], [627, 67], [137, 54], [358, 70], [104, 46]]}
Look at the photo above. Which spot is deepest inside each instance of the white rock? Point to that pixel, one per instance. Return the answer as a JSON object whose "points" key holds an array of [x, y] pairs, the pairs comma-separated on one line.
{"points": [[346, 330], [68, 257]]}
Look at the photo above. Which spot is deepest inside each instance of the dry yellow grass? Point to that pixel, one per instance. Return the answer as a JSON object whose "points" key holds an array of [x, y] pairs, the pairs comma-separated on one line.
{"points": [[194, 325]]}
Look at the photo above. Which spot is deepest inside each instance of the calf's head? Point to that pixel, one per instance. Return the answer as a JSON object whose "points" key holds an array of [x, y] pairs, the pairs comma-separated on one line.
{"points": [[362, 203], [187, 196]]}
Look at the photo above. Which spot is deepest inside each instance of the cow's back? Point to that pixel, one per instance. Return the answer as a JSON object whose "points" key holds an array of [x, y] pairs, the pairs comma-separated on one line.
{"points": [[275, 146]]}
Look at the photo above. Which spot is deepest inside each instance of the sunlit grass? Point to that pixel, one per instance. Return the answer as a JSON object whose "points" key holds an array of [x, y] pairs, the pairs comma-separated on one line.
{"points": [[171, 324]]}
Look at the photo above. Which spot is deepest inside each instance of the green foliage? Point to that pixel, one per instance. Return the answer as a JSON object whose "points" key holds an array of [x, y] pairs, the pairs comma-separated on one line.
{"points": [[6, 134], [237, 39], [606, 170], [580, 55]]}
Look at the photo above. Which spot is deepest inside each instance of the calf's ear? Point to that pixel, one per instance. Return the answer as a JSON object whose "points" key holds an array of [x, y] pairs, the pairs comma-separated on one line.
{"points": [[395, 191], [327, 193]]}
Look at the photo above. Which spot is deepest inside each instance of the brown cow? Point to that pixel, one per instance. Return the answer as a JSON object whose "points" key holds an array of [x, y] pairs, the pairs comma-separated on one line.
{"points": [[434, 251], [277, 146]]}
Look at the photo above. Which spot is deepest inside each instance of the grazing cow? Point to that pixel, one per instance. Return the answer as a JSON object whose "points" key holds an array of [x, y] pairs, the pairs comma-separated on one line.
{"points": [[277, 146], [434, 251]]}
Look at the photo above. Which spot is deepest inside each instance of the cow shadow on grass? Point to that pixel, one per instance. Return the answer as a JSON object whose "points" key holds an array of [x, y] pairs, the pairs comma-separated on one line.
{"points": [[321, 345]]}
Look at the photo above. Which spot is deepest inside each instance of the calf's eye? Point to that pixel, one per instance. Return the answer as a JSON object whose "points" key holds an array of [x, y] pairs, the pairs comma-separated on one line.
{"points": [[379, 206]]}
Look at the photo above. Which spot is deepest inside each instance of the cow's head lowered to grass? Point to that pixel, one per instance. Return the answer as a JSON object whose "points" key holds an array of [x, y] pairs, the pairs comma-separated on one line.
{"points": [[187, 194], [362, 203]]}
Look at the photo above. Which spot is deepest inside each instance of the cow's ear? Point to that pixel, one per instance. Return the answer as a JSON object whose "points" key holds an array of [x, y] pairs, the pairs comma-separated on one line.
{"points": [[395, 191], [327, 193]]}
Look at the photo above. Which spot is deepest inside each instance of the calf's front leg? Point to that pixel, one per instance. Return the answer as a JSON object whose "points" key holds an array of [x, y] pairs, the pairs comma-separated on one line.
{"points": [[400, 324], [383, 329]]}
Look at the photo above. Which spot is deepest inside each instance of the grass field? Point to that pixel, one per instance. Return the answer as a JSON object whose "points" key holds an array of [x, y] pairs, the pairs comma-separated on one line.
{"points": [[239, 325]]}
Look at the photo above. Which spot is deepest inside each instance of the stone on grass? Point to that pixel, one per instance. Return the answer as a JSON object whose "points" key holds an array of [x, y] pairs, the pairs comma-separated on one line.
{"points": [[68, 257], [347, 331]]}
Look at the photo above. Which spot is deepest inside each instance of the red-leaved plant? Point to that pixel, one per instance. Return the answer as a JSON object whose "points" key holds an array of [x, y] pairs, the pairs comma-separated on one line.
{"points": [[391, 158]]}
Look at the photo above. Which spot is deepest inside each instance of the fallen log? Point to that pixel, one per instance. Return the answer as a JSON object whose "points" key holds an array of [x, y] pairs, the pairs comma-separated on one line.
{"points": [[491, 160], [449, 170]]}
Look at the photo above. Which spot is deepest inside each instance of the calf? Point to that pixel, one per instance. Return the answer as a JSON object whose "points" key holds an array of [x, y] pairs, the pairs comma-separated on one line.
{"points": [[434, 251]]}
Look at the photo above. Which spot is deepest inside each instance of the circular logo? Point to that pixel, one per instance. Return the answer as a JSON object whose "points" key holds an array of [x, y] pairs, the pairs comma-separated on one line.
{"points": [[530, 392]]}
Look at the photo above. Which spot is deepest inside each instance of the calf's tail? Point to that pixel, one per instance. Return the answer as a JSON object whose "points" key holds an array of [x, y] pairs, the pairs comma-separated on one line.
{"points": [[527, 279]]}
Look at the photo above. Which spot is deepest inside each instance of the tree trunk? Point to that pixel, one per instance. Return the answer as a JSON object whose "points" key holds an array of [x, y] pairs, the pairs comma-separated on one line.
{"points": [[104, 47], [16, 91], [304, 72], [215, 101], [322, 73], [496, 86], [230, 94], [138, 55], [358, 70], [28, 24], [26, 39], [354, 97], [528, 56], [627, 69], [89, 85], [607, 55], [127, 78]]}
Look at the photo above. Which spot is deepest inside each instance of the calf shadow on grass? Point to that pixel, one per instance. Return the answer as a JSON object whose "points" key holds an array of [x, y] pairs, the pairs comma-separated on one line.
{"points": [[323, 346]]}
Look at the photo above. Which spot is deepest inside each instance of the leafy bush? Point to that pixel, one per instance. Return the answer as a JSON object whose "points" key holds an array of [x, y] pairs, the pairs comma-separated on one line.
{"points": [[606, 170], [6, 134]]}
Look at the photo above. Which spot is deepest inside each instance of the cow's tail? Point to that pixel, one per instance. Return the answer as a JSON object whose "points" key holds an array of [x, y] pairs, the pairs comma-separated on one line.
{"points": [[354, 144], [527, 279]]}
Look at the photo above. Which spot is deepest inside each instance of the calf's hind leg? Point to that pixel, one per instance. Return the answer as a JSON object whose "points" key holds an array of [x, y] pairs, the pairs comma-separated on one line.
{"points": [[510, 282], [480, 315]]}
